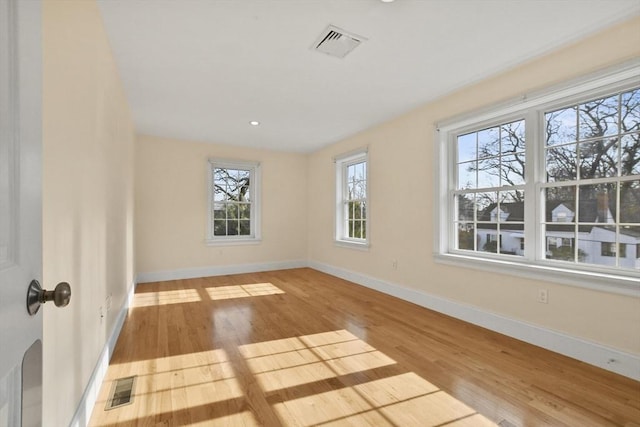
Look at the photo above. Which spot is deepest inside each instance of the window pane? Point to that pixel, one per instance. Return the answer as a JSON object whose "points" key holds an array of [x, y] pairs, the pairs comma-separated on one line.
{"points": [[598, 118], [233, 184], [599, 159], [560, 204], [465, 203], [243, 187], [466, 147], [561, 163], [630, 154], [631, 111], [599, 250], [489, 172], [512, 137], [597, 203], [219, 211], [630, 235], [512, 170], [232, 211], [219, 227], [350, 228], [232, 228], [363, 205], [357, 229], [359, 190], [487, 238], [511, 206], [220, 191], [561, 126], [489, 142], [512, 239], [485, 204], [560, 242], [245, 211], [467, 175], [630, 202], [360, 176], [351, 173], [357, 210], [245, 228], [364, 229], [350, 210], [466, 236]]}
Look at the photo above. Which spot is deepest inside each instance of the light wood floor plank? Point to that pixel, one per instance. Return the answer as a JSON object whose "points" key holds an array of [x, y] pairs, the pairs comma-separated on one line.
{"points": [[302, 348]]}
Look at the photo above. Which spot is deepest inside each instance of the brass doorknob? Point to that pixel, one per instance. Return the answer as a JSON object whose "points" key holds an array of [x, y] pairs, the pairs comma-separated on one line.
{"points": [[37, 296]]}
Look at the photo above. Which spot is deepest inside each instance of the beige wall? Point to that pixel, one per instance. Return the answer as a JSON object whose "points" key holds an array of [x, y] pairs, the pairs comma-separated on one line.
{"points": [[402, 192], [88, 143], [171, 206]]}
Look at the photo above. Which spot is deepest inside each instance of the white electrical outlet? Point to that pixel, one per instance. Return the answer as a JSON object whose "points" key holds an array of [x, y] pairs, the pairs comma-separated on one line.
{"points": [[543, 296], [107, 303]]}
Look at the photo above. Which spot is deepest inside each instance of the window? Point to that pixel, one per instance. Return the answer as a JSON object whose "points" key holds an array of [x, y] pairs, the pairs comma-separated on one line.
{"points": [[489, 193], [559, 170], [609, 249], [352, 225], [234, 201]]}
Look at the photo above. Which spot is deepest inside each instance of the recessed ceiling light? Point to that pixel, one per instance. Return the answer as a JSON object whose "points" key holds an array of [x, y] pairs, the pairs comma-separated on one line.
{"points": [[387, 1], [254, 123]]}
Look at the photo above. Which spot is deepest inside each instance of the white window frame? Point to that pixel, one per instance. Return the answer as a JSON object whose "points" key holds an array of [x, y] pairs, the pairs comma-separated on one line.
{"points": [[255, 217], [533, 264], [342, 162]]}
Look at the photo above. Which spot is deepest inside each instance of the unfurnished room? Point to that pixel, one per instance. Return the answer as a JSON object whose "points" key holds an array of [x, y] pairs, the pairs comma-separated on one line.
{"points": [[320, 213]]}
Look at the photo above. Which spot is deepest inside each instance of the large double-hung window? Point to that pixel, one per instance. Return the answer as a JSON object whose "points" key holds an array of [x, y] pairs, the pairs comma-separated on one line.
{"points": [[549, 185]]}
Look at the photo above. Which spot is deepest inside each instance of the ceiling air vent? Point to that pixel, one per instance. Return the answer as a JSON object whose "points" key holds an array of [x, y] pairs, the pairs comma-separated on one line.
{"points": [[337, 42]]}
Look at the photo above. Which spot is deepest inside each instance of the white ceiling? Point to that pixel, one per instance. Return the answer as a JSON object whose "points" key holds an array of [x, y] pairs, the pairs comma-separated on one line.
{"points": [[202, 69]]}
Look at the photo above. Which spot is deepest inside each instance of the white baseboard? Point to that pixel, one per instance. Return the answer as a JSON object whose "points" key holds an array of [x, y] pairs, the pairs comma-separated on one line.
{"points": [[589, 352], [90, 395], [191, 273]]}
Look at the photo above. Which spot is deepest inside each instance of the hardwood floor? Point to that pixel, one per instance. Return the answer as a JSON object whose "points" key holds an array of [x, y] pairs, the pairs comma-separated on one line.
{"points": [[301, 348]]}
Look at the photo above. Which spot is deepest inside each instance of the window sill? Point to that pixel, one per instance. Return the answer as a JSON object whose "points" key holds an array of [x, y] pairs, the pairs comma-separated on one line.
{"points": [[232, 242], [352, 245], [613, 283]]}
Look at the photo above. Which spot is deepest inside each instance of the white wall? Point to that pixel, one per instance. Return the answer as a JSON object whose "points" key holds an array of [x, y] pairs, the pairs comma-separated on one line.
{"points": [[88, 143], [401, 213], [171, 209]]}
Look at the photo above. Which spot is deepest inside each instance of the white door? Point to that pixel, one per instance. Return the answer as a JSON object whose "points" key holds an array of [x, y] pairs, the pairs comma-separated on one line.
{"points": [[20, 211]]}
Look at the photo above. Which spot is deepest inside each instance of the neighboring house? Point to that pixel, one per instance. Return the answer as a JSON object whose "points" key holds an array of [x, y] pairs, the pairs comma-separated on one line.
{"points": [[596, 232]]}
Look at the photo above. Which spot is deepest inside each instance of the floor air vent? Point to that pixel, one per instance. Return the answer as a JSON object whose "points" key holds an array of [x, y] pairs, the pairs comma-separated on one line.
{"points": [[337, 42], [121, 393]]}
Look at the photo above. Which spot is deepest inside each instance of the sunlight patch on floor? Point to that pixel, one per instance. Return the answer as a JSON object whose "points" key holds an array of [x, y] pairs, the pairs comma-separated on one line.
{"points": [[405, 399], [176, 384], [180, 296], [242, 291], [292, 362], [242, 419]]}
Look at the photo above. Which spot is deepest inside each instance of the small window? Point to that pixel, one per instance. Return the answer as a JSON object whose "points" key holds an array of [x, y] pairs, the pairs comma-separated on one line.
{"points": [[352, 225], [233, 201]]}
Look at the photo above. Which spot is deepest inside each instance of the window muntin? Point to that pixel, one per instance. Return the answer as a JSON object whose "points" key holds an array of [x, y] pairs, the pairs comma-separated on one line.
{"points": [[233, 201], [352, 199], [568, 160]]}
